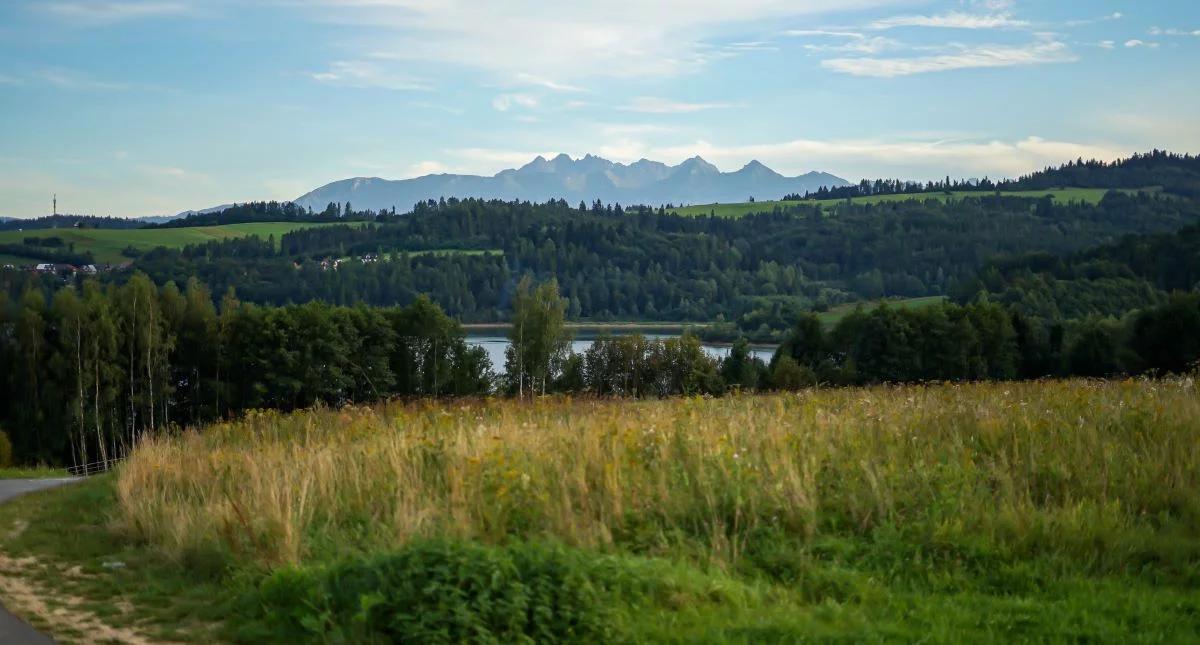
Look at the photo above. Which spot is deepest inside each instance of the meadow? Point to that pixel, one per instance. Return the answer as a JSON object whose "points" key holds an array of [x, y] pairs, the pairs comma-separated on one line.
{"points": [[1060, 195], [106, 244], [835, 314], [1052, 511]]}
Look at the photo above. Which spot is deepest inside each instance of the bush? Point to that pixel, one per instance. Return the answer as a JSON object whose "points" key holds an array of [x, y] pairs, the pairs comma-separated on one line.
{"points": [[5, 450], [453, 591]]}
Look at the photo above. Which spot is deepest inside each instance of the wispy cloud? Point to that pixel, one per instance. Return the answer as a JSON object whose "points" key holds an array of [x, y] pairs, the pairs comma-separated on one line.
{"points": [[873, 45], [1116, 15], [367, 74], [1133, 43], [506, 102], [538, 81], [566, 42], [173, 173], [1158, 31], [952, 20], [657, 105], [882, 157], [428, 168], [102, 13], [67, 79], [966, 57]]}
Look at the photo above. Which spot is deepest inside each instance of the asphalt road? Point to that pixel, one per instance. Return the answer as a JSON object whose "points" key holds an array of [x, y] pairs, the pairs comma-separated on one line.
{"points": [[13, 630]]}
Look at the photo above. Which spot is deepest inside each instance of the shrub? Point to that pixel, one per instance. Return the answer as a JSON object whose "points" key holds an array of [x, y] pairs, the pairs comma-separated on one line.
{"points": [[454, 591]]}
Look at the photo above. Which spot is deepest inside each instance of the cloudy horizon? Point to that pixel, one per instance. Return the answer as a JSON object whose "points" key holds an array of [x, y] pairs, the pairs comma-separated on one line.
{"points": [[148, 107]]}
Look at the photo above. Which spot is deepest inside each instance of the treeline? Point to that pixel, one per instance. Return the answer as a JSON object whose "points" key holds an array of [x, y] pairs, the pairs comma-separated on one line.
{"points": [[639, 263], [270, 212], [52, 254], [69, 221], [985, 340], [1173, 173], [95, 368], [92, 369]]}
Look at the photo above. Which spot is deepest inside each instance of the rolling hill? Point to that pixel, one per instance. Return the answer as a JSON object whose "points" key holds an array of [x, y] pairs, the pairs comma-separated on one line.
{"points": [[106, 244]]}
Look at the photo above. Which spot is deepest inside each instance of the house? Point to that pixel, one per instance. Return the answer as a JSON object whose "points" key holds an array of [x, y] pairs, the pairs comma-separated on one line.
{"points": [[44, 267], [89, 269]]}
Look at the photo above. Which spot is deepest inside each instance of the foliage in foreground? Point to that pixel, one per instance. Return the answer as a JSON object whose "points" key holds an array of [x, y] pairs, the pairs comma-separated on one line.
{"points": [[1049, 510]]}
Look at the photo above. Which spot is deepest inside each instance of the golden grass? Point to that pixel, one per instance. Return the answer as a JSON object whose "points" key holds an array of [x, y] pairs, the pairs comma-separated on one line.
{"points": [[1073, 466]]}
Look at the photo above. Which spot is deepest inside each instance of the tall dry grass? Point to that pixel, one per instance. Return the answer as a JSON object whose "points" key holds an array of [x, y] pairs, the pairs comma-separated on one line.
{"points": [[1077, 467]]}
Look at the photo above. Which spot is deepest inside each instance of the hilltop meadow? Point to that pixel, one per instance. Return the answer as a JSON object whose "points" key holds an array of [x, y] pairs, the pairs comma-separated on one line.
{"points": [[1089, 196], [110, 246]]}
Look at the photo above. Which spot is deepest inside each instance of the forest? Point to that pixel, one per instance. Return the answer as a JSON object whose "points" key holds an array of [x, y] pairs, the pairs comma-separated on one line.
{"points": [[335, 314], [616, 263]]}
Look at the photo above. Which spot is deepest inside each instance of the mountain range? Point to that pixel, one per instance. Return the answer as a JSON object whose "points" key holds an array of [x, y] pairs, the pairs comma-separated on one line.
{"points": [[695, 181]]}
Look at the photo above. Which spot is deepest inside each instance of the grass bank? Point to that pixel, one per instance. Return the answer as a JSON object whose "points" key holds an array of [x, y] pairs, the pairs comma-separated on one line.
{"points": [[948, 513]]}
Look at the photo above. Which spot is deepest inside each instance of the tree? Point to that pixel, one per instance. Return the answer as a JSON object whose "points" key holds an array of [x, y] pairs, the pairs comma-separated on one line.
{"points": [[539, 335]]}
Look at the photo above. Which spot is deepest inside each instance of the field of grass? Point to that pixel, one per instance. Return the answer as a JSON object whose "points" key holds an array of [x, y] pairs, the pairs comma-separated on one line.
{"points": [[106, 244], [1047, 511], [835, 314], [1061, 195]]}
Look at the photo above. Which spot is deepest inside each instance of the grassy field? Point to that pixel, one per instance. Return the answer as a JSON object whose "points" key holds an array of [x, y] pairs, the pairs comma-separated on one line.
{"points": [[835, 314], [1061, 195], [1047, 511], [106, 244]]}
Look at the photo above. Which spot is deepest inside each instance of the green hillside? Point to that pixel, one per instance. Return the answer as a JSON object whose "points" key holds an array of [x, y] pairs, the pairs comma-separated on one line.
{"points": [[1060, 195], [106, 244]]}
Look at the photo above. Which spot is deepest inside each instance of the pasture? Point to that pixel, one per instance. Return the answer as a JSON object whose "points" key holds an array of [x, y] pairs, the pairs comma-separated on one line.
{"points": [[106, 244], [1060, 195]]}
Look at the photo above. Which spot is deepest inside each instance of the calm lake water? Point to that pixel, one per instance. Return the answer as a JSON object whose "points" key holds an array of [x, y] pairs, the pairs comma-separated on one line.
{"points": [[495, 344]]}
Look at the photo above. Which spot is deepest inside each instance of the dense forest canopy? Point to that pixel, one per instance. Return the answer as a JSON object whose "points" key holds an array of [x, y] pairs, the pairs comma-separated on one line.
{"points": [[638, 263]]}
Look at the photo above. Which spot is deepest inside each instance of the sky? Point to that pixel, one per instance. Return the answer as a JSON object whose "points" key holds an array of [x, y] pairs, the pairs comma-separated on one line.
{"points": [[147, 107]]}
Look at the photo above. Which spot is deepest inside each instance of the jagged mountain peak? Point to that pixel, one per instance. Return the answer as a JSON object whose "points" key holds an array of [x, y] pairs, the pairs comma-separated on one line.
{"points": [[590, 177]]}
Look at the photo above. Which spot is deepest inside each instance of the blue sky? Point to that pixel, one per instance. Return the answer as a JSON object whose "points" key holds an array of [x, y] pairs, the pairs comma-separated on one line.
{"points": [[139, 107]]}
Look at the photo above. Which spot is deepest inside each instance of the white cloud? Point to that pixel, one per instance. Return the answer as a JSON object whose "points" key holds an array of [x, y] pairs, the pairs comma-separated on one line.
{"points": [[1116, 15], [889, 158], [533, 79], [491, 160], [873, 45], [505, 102], [823, 32], [566, 41], [101, 13], [1158, 31], [366, 74], [973, 57], [428, 168], [656, 105], [1106, 44], [172, 172], [1134, 42], [952, 20]]}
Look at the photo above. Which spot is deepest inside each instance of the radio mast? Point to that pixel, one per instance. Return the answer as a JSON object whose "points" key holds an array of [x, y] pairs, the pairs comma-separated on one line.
{"points": [[56, 203]]}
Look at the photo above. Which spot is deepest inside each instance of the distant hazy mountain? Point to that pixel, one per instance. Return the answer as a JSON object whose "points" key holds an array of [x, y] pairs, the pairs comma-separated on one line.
{"points": [[694, 181]]}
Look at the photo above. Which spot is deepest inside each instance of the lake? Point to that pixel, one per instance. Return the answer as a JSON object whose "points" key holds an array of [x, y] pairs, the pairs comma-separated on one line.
{"points": [[496, 343]]}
